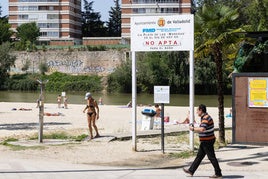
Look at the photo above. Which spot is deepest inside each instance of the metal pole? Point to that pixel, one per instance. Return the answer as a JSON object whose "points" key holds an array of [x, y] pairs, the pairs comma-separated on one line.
{"points": [[162, 129], [41, 114], [191, 98], [134, 106], [41, 110]]}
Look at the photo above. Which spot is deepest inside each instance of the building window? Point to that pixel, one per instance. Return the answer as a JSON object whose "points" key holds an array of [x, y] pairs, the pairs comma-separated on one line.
{"points": [[33, 17], [53, 34], [154, 1], [23, 17], [155, 10], [52, 16], [44, 8], [27, 8], [49, 34], [48, 25]]}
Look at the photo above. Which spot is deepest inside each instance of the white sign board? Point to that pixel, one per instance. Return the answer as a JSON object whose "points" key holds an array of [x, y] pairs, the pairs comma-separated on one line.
{"points": [[161, 94], [162, 33]]}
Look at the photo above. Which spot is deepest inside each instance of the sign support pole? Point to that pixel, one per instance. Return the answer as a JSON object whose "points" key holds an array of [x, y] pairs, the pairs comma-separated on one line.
{"points": [[191, 98], [162, 129], [41, 110], [134, 103], [177, 34]]}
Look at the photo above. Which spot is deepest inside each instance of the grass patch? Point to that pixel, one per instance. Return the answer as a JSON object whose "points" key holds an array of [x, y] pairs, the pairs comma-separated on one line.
{"points": [[54, 135], [18, 147], [80, 137], [61, 136], [5, 142]]}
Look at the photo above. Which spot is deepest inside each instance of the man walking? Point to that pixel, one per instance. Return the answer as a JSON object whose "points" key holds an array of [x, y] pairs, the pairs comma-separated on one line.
{"points": [[207, 140]]}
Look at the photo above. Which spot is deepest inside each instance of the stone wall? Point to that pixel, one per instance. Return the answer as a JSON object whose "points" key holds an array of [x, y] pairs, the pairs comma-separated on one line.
{"points": [[71, 62]]}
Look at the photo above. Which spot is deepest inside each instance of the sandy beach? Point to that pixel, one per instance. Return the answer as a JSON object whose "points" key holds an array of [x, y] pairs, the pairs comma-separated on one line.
{"points": [[114, 120]]}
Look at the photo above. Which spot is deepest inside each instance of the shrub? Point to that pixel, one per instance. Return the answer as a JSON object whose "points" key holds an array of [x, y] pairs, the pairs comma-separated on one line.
{"points": [[56, 82]]}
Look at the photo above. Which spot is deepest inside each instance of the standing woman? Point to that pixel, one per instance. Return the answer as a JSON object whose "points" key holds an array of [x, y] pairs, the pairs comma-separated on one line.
{"points": [[92, 110], [59, 101]]}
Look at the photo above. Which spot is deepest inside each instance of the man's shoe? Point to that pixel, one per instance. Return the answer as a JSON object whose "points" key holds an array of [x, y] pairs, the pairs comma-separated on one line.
{"points": [[215, 176], [187, 171]]}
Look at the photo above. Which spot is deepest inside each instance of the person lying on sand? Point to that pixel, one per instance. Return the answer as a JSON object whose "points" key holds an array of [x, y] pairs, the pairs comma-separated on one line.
{"points": [[53, 114], [21, 109]]}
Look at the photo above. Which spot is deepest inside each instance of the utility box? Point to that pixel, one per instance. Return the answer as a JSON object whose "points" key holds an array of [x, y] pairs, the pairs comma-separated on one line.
{"points": [[147, 122], [250, 108]]}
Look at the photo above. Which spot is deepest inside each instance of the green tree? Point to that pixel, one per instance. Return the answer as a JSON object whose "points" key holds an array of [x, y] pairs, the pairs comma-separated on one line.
{"points": [[120, 79], [163, 68], [256, 14], [28, 34], [0, 11], [114, 23], [92, 26], [43, 68], [6, 61], [205, 76], [152, 70], [26, 65], [5, 32], [178, 64], [213, 33]]}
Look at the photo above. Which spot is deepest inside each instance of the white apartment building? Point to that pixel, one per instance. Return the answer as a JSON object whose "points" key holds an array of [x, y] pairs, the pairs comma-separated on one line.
{"points": [[58, 20]]}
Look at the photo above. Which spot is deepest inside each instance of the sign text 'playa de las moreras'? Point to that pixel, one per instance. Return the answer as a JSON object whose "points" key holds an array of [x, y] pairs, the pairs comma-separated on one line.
{"points": [[162, 33]]}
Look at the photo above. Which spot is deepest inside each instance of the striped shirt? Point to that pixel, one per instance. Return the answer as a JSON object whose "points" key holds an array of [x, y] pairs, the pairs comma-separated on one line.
{"points": [[208, 124]]}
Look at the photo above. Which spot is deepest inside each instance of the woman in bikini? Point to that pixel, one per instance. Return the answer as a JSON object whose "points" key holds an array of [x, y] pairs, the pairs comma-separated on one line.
{"points": [[92, 110]]}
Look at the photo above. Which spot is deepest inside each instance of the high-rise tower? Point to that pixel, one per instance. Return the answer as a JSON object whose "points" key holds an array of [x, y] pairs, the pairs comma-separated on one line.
{"points": [[57, 19]]}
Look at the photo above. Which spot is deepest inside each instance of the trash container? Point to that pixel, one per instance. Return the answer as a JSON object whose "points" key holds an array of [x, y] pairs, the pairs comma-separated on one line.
{"points": [[147, 122]]}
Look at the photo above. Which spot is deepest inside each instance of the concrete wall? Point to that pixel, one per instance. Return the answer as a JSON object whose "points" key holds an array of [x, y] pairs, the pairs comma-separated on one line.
{"points": [[71, 62]]}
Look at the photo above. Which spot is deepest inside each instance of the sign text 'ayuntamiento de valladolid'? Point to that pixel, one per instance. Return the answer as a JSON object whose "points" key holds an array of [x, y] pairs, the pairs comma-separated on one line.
{"points": [[162, 33]]}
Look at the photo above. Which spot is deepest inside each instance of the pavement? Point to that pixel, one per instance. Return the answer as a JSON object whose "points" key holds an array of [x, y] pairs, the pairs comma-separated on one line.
{"points": [[236, 161]]}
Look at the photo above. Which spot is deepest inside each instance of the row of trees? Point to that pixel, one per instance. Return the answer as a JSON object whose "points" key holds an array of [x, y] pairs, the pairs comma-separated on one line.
{"points": [[92, 26], [169, 69]]}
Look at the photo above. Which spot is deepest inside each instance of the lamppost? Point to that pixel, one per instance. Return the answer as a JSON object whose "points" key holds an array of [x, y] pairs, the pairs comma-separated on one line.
{"points": [[41, 109]]}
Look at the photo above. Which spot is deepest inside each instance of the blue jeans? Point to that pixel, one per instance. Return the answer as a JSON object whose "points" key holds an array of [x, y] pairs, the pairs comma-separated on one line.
{"points": [[206, 148]]}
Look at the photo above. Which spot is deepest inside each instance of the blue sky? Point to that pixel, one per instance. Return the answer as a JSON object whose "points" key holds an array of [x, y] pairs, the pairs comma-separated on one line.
{"points": [[102, 6]]}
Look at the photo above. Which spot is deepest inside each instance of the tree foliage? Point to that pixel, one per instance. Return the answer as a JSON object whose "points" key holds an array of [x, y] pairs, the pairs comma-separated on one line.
{"points": [[28, 32], [5, 32], [215, 25], [92, 26], [154, 68], [0, 10], [120, 79], [57, 82], [6, 61], [114, 23]]}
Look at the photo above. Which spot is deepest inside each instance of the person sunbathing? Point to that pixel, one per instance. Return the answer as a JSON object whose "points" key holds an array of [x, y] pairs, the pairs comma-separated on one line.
{"points": [[21, 109], [186, 120], [53, 114]]}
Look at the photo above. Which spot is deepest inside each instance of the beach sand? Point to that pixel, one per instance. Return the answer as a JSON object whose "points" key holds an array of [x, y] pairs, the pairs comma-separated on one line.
{"points": [[114, 120]]}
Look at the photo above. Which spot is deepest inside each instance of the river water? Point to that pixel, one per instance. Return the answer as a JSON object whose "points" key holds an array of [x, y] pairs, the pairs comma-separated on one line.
{"points": [[112, 99]]}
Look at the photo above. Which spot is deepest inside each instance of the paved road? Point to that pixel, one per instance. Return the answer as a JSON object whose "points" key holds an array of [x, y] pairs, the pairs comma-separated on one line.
{"points": [[237, 161]]}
